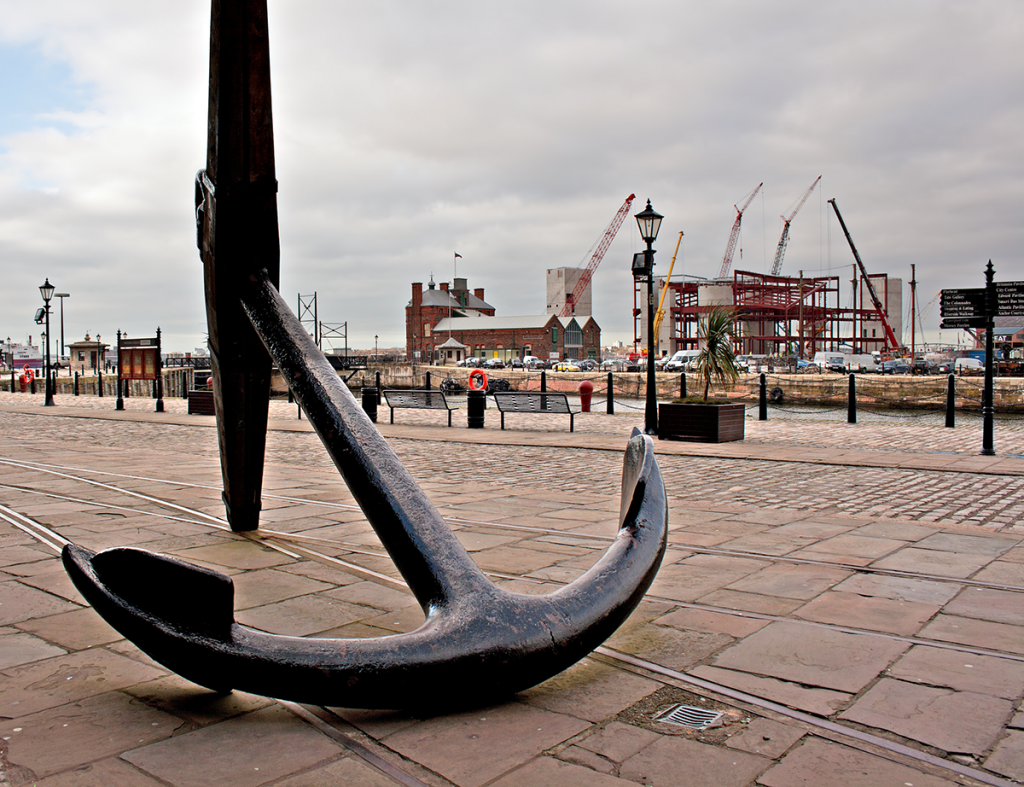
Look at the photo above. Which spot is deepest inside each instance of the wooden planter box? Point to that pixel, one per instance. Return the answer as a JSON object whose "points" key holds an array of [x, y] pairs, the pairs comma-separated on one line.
{"points": [[701, 423]]}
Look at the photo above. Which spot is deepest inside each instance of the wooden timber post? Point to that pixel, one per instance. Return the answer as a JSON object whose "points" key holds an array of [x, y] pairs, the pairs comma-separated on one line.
{"points": [[236, 214]]}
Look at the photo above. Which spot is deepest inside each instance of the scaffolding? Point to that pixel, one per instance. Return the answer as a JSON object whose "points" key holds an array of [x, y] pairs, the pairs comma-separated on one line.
{"points": [[775, 315]]}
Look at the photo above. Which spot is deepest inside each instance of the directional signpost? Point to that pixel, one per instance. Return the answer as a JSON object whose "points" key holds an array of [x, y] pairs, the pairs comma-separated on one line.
{"points": [[978, 308]]}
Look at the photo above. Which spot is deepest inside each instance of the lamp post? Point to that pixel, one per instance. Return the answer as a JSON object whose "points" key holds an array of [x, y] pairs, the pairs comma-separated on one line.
{"points": [[46, 290], [649, 222], [62, 296], [375, 337]]}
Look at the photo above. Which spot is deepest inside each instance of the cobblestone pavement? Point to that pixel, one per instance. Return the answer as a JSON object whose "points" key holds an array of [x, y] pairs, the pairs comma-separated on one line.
{"points": [[775, 606], [965, 499]]}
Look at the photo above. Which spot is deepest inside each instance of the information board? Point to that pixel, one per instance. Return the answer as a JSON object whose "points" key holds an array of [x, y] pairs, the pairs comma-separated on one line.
{"points": [[963, 308], [1010, 299]]}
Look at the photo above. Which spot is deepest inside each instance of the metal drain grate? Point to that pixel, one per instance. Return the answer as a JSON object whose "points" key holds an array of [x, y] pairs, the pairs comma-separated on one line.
{"points": [[689, 716]]}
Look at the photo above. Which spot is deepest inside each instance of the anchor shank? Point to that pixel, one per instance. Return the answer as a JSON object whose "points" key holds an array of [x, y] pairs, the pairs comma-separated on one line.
{"points": [[238, 235]]}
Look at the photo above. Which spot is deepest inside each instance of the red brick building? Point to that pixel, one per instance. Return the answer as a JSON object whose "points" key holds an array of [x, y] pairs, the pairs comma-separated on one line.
{"points": [[428, 307], [472, 322]]}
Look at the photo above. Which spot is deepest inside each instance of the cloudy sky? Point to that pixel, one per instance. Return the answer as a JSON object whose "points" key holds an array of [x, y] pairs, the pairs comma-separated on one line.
{"points": [[509, 133]]}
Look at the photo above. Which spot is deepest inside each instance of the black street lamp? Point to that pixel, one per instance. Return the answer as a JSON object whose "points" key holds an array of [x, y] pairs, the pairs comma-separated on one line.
{"points": [[375, 337], [46, 290], [649, 222]]}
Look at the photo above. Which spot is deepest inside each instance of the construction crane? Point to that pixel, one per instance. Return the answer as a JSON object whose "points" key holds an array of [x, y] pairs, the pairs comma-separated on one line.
{"points": [[784, 240], [734, 236], [660, 314], [595, 260], [890, 337]]}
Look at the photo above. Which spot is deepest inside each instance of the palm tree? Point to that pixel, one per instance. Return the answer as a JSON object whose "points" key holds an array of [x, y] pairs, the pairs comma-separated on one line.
{"points": [[716, 360]]}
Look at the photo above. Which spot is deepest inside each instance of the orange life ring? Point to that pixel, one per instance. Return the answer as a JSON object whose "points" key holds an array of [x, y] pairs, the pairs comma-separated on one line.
{"points": [[477, 380], [29, 374]]}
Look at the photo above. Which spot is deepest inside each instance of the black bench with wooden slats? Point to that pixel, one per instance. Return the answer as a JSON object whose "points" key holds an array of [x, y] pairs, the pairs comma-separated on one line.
{"points": [[417, 400], [533, 402], [201, 403]]}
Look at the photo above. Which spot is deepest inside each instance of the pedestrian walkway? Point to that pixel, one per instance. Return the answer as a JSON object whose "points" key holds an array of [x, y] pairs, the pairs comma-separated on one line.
{"points": [[848, 601]]}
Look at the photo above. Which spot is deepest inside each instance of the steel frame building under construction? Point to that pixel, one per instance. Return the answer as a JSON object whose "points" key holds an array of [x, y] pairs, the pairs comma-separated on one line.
{"points": [[775, 315]]}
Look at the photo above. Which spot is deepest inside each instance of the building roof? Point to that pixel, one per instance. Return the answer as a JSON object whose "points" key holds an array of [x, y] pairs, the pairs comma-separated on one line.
{"points": [[454, 343], [475, 321], [445, 299]]}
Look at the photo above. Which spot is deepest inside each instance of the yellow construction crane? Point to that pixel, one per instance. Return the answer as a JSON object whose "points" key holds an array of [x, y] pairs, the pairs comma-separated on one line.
{"points": [[660, 314]]}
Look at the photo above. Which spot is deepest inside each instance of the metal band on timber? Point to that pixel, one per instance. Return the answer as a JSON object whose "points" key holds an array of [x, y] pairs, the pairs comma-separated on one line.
{"points": [[479, 642]]}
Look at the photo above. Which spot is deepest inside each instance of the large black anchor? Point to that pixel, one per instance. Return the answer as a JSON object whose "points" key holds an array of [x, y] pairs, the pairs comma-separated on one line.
{"points": [[478, 642]]}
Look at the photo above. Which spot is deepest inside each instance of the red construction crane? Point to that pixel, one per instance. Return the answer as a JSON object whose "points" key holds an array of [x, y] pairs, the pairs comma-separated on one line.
{"points": [[890, 337], [784, 240], [595, 260], [734, 236]]}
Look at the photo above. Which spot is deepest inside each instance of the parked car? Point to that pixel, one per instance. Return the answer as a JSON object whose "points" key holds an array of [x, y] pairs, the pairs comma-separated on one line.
{"points": [[469, 363], [588, 365], [493, 363], [922, 366], [517, 363], [567, 365], [893, 367], [533, 362]]}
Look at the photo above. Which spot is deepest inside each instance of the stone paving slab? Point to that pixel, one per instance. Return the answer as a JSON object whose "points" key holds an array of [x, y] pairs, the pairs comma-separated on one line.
{"points": [[591, 729]]}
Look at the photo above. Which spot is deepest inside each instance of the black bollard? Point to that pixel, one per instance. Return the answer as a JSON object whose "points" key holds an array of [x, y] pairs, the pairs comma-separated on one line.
{"points": [[762, 399], [611, 394], [32, 385], [13, 389], [951, 401], [682, 385], [99, 382], [543, 381], [476, 406], [851, 403], [427, 384], [76, 383], [370, 403], [376, 376]]}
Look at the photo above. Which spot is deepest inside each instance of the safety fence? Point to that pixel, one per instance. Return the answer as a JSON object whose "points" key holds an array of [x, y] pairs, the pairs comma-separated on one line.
{"points": [[888, 394], [177, 382]]}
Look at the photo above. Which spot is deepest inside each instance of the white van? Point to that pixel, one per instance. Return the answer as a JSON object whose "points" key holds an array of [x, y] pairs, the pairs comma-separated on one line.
{"points": [[680, 361], [967, 363]]}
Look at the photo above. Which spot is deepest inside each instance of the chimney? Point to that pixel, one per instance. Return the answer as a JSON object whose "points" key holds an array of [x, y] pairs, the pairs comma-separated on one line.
{"points": [[417, 293], [444, 286], [479, 292]]}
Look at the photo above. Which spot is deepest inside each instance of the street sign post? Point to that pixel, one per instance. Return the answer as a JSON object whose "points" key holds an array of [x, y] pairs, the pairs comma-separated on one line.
{"points": [[978, 308]]}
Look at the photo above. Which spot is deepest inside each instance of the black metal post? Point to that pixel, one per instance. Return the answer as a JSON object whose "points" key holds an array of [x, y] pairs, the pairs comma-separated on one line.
{"points": [[543, 381], [159, 374], [851, 402], [48, 400], [369, 397], [988, 395], [682, 385], [99, 373], [651, 409], [377, 386], [76, 383], [120, 382], [610, 400], [762, 399], [427, 383], [951, 401], [476, 406]]}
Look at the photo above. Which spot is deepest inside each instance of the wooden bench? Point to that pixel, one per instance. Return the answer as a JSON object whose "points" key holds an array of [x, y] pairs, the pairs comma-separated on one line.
{"points": [[201, 403], [533, 402], [429, 399]]}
